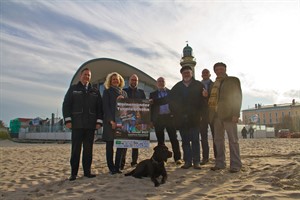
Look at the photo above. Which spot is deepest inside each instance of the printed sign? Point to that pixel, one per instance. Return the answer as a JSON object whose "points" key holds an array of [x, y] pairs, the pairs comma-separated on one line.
{"points": [[133, 123]]}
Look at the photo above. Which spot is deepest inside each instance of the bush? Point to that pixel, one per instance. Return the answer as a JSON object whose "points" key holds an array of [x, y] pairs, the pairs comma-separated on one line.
{"points": [[4, 135]]}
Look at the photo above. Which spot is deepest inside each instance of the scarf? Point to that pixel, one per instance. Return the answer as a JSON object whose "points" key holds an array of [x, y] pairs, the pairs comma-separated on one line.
{"points": [[214, 95]]}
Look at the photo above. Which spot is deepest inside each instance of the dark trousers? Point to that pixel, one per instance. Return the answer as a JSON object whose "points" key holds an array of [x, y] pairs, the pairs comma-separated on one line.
{"points": [[113, 166], [134, 157], [166, 122], [204, 139], [84, 138]]}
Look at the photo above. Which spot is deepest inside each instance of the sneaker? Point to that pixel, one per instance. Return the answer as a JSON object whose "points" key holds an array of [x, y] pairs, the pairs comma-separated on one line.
{"points": [[179, 162], [215, 168], [186, 166], [197, 166]]}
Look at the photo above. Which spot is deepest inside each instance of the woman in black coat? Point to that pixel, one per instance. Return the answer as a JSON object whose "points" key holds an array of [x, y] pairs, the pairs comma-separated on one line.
{"points": [[113, 84]]}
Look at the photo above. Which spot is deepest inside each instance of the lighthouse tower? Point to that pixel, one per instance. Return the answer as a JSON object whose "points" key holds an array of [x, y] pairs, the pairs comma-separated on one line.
{"points": [[188, 58]]}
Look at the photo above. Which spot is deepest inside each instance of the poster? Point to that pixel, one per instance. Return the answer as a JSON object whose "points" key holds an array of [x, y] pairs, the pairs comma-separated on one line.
{"points": [[133, 123]]}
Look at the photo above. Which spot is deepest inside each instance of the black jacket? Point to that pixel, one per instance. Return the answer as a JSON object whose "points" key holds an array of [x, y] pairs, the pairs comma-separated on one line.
{"points": [[187, 104], [83, 108], [157, 102]]}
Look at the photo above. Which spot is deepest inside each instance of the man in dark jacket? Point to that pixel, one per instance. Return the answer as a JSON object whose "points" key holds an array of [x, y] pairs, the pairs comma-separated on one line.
{"points": [[208, 83], [187, 103], [82, 111], [133, 93], [162, 118]]}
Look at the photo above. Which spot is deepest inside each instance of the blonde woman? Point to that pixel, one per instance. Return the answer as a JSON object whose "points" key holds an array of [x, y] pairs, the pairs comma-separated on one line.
{"points": [[113, 84]]}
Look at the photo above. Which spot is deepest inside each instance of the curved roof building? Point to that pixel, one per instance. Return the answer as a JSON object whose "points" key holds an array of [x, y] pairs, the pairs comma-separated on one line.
{"points": [[100, 67]]}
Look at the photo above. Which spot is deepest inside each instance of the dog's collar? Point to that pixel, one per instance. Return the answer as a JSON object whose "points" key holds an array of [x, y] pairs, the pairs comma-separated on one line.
{"points": [[155, 161]]}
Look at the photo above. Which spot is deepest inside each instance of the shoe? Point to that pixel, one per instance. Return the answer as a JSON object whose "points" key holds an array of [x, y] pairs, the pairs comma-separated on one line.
{"points": [[90, 175], [234, 170], [133, 164], [186, 166], [197, 166], [118, 172], [112, 172], [216, 168], [72, 178], [204, 162], [122, 168], [179, 162]]}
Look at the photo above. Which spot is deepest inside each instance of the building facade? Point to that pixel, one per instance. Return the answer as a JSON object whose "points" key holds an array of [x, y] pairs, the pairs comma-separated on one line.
{"points": [[276, 115]]}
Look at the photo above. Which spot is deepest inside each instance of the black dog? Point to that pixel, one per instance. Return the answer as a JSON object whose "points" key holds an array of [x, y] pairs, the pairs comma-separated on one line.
{"points": [[153, 167]]}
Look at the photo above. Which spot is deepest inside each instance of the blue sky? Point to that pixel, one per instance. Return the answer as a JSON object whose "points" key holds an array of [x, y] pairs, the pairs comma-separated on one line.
{"points": [[44, 42]]}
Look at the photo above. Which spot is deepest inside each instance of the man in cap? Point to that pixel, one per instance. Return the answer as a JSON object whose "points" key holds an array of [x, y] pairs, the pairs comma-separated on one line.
{"points": [[187, 103]]}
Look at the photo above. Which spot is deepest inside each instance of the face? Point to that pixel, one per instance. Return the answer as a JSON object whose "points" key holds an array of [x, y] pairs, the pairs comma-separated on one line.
{"points": [[205, 74], [160, 83], [220, 71], [85, 77], [133, 81], [115, 81], [187, 75]]}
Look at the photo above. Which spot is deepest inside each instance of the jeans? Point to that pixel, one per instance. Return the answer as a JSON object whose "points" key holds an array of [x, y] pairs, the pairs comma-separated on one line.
{"points": [[190, 145]]}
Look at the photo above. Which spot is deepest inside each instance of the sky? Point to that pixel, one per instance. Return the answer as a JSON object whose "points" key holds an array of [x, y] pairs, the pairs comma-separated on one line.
{"points": [[43, 43]]}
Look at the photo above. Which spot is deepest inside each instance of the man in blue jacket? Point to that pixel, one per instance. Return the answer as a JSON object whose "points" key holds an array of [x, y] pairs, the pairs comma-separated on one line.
{"points": [[82, 111]]}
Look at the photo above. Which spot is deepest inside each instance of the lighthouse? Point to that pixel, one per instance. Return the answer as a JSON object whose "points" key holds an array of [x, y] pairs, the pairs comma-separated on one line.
{"points": [[188, 58]]}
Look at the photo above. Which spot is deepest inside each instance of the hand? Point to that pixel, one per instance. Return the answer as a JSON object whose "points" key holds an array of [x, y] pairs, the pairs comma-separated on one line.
{"points": [[113, 124], [98, 126], [69, 125], [120, 97], [235, 119], [204, 92]]}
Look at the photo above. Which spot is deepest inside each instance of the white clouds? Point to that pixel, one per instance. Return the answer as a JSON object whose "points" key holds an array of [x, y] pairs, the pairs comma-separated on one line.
{"points": [[44, 43]]}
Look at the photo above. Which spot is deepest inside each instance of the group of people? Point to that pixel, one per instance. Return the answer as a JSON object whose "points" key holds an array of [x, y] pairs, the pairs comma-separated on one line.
{"points": [[245, 132], [190, 107]]}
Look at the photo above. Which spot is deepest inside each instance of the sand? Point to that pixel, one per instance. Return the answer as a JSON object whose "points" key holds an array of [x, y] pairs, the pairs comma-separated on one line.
{"points": [[271, 170]]}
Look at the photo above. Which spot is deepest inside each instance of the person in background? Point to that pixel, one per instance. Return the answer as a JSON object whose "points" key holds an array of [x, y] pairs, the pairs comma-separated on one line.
{"points": [[83, 114], [207, 82], [134, 93], [113, 84], [162, 118], [244, 132], [224, 109], [187, 104], [251, 132]]}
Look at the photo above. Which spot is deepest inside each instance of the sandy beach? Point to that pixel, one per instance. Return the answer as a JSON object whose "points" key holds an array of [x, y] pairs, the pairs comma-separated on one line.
{"points": [[271, 170]]}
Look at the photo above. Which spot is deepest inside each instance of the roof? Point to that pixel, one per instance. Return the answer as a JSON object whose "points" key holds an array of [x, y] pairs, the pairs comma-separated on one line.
{"points": [[100, 67]]}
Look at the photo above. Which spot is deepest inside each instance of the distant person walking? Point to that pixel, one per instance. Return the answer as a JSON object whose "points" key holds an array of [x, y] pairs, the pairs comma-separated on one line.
{"points": [[224, 109], [244, 132], [83, 114], [251, 132]]}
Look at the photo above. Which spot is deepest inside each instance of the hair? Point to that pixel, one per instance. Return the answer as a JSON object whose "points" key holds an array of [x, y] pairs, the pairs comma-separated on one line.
{"points": [[84, 70], [219, 64], [107, 82]]}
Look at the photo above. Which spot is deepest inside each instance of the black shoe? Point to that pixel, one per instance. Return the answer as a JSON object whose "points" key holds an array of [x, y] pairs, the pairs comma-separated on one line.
{"points": [[234, 170], [216, 168], [112, 172], [197, 166], [90, 175], [72, 178], [186, 166], [204, 162]]}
